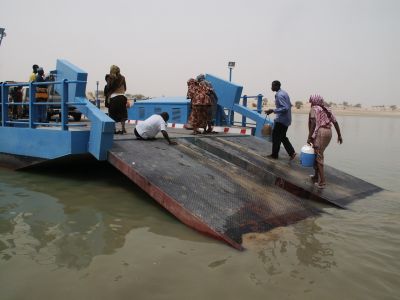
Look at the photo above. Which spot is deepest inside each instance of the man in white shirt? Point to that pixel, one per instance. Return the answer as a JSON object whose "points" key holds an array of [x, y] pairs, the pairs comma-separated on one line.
{"points": [[149, 128]]}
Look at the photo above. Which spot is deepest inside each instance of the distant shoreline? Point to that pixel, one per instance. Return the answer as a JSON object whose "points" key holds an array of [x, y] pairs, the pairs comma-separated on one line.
{"points": [[338, 111], [350, 111]]}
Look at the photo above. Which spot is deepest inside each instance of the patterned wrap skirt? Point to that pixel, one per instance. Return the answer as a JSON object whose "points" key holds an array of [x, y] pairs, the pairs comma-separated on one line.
{"points": [[199, 116], [322, 140]]}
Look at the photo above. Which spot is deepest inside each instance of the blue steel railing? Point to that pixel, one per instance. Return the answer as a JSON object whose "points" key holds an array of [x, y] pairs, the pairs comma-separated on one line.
{"points": [[33, 114], [244, 123]]}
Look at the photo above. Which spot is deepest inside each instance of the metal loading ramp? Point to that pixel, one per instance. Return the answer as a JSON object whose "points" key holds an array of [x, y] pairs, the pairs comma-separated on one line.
{"points": [[212, 191], [250, 153]]}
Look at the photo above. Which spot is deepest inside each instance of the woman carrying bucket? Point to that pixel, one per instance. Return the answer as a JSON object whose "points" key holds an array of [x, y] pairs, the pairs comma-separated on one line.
{"points": [[320, 123]]}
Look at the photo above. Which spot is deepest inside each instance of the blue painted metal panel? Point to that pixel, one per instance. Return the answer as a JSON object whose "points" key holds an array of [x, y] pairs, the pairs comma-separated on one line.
{"points": [[66, 70], [229, 97], [260, 120], [228, 93], [171, 100], [102, 126], [43, 143], [178, 109], [101, 130]]}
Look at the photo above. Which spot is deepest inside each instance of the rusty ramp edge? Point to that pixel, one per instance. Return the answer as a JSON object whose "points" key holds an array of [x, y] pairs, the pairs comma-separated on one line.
{"points": [[168, 202]]}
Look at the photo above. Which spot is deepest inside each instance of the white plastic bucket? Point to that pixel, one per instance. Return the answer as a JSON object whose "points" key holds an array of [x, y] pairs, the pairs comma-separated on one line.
{"points": [[307, 156]]}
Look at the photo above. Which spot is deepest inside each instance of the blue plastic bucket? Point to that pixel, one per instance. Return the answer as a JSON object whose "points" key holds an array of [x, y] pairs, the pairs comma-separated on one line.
{"points": [[307, 156]]}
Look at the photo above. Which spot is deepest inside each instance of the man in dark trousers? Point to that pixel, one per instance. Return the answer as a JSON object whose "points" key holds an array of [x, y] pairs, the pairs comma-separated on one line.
{"points": [[282, 121]]}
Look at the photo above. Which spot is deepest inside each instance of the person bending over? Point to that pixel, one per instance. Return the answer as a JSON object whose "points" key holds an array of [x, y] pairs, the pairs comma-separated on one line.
{"points": [[149, 128]]}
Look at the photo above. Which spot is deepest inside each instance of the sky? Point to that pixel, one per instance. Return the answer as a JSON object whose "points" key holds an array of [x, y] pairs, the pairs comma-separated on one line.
{"points": [[345, 50]]}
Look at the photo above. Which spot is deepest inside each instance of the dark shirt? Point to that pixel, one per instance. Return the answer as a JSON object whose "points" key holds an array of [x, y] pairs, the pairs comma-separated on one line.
{"points": [[16, 95], [40, 78]]}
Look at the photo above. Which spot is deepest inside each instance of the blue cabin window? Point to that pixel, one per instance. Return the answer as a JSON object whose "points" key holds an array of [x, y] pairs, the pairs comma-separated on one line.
{"points": [[141, 113], [158, 110], [176, 115]]}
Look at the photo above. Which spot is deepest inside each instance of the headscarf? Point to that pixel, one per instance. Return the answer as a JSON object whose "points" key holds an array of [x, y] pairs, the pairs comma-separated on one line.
{"points": [[114, 70], [116, 81], [323, 114], [191, 81], [201, 77], [316, 100]]}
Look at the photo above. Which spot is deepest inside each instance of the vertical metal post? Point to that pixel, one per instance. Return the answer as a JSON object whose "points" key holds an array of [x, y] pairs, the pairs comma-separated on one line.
{"points": [[231, 113], [259, 103], [245, 105], [32, 110], [1, 104], [218, 119], [231, 117], [97, 95], [4, 104], [64, 105]]}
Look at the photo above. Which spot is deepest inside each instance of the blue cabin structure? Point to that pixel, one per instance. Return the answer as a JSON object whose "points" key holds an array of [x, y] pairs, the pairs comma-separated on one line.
{"points": [[178, 109], [229, 96]]}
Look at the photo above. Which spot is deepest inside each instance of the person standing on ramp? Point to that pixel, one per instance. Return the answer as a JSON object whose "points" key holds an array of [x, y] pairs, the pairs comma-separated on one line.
{"points": [[282, 122]]}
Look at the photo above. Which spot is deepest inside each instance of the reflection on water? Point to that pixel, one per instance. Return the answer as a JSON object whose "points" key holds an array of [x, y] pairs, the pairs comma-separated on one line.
{"points": [[79, 222], [311, 251], [51, 231], [274, 245]]}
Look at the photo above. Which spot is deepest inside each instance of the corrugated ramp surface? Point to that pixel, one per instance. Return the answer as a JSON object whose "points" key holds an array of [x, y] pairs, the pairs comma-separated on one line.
{"points": [[222, 186], [250, 153], [205, 191]]}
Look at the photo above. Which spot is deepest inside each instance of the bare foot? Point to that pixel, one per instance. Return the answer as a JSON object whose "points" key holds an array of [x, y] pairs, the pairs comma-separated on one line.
{"points": [[320, 185]]}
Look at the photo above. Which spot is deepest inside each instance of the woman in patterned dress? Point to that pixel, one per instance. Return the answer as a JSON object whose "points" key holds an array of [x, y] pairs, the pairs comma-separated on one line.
{"points": [[320, 123], [200, 106]]}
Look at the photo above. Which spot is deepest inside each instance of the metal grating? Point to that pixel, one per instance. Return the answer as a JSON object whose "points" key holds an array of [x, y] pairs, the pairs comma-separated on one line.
{"points": [[224, 186], [227, 199]]}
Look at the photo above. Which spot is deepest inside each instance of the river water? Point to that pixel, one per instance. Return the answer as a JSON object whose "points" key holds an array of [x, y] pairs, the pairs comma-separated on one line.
{"points": [[83, 231]]}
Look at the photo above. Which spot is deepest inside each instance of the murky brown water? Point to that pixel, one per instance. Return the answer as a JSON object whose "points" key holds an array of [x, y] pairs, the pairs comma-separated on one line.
{"points": [[88, 233]]}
